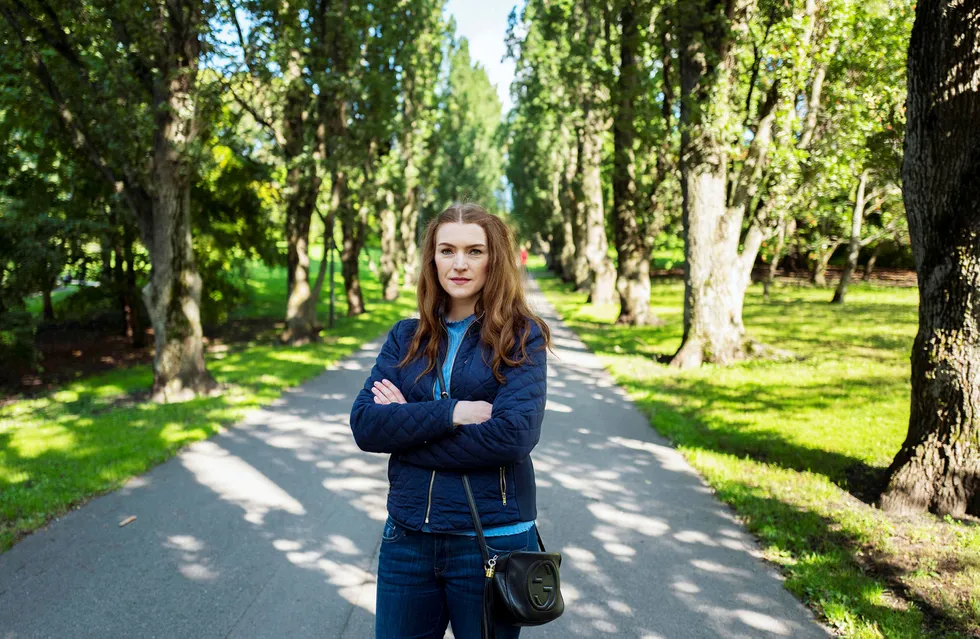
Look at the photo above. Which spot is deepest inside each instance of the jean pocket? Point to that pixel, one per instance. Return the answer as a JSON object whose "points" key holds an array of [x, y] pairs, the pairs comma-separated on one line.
{"points": [[508, 543], [392, 531]]}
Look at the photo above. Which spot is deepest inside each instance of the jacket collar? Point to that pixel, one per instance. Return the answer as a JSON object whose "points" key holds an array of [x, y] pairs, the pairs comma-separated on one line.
{"points": [[476, 320]]}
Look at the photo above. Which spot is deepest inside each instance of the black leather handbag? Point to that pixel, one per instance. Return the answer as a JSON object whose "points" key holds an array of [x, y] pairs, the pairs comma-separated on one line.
{"points": [[522, 587]]}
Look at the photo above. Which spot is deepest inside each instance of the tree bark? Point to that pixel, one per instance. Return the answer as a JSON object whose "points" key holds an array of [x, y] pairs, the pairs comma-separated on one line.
{"points": [[854, 245], [633, 267], [389, 247], [938, 466], [409, 227], [869, 266], [824, 252], [134, 319], [300, 194], [579, 213], [353, 223], [600, 274], [569, 217], [408, 220]]}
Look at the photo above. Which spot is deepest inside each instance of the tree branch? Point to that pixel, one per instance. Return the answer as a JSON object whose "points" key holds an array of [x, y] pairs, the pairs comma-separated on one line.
{"points": [[276, 135], [80, 138], [747, 182]]}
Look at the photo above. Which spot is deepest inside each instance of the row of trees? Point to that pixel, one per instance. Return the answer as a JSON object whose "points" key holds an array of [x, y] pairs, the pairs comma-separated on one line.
{"points": [[780, 125], [192, 135], [755, 121]]}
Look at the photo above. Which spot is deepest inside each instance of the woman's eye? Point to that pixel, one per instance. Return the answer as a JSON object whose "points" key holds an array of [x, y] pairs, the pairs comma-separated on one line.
{"points": [[476, 252], [446, 252]]}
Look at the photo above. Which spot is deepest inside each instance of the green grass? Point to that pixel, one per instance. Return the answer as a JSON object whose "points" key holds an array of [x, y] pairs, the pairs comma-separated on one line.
{"points": [[787, 443], [35, 303], [89, 437]]}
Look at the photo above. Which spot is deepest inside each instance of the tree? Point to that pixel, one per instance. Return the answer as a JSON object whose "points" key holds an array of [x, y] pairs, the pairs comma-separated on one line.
{"points": [[469, 162], [716, 273], [637, 209], [122, 84], [938, 466]]}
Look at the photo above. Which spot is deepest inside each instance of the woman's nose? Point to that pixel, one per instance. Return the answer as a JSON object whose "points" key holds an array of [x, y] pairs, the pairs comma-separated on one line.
{"points": [[460, 262]]}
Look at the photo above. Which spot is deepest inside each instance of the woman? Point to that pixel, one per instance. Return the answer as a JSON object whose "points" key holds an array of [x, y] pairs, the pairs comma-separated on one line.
{"points": [[476, 326]]}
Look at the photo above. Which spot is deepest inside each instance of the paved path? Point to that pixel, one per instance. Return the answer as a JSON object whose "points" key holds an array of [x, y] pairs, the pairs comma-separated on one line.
{"points": [[272, 529]]}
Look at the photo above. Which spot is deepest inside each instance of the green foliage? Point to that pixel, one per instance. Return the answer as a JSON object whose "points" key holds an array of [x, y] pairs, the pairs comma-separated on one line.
{"points": [[232, 224], [468, 160]]}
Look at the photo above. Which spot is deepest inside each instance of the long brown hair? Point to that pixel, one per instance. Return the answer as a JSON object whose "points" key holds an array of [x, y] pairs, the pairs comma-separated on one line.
{"points": [[502, 306]]}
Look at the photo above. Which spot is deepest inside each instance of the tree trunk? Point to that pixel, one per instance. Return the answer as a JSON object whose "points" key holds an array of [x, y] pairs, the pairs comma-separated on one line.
{"points": [[134, 319], [48, 312], [173, 294], [409, 218], [301, 325], [854, 246], [869, 266], [601, 276], [580, 213], [713, 329], [818, 277], [409, 226], [938, 466], [352, 224], [300, 195], [569, 215], [784, 226], [389, 247], [633, 268]]}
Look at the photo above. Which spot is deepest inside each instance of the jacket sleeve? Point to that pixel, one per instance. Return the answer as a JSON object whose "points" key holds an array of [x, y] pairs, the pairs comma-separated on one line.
{"points": [[391, 428], [513, 429]]}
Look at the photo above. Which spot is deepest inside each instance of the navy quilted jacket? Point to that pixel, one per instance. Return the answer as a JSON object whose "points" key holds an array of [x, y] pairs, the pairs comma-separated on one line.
{"points": [[428, 454]]}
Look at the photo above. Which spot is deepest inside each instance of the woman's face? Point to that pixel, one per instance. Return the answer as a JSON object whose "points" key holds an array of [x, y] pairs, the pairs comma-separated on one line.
{"points": [[461, 260]]}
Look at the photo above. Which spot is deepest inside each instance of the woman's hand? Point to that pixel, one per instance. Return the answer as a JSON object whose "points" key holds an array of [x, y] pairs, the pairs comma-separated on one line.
{"points": [[387, 393], [466, 412]]}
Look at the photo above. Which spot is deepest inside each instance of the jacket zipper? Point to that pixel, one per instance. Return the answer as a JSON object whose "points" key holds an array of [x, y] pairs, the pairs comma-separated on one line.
{"points": [[432, 479], [428, 506], [503, 485]]}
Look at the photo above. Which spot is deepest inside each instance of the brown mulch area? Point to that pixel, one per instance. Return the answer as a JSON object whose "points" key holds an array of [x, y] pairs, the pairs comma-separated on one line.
{"points": [[69, 353]]}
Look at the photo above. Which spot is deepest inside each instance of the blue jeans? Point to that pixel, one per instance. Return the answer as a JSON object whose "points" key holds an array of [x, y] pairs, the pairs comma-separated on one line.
{"points": [[429, 580]]}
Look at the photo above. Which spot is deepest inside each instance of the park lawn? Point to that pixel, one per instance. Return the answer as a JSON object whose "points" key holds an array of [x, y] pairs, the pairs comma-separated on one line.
{"points": [[790, 444], [90, 436]]}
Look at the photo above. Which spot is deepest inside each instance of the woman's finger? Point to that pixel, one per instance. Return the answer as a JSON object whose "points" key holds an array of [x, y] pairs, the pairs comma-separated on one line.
{"points": [[379, 397], [385, 391], [394, 393]]}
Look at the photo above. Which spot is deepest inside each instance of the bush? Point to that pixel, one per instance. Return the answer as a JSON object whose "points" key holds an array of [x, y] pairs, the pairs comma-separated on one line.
{"points": [[18, 351]]}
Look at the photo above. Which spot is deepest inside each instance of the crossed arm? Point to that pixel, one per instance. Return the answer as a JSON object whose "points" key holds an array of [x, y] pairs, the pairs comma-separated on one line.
{"points": [[451, 434]]}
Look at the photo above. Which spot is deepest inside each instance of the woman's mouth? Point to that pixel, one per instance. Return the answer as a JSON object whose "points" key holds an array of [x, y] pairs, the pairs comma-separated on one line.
{"points": [[460, 281]]}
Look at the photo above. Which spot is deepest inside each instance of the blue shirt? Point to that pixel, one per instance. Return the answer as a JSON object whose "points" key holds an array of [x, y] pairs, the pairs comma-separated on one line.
{"points": [[457, 330]]}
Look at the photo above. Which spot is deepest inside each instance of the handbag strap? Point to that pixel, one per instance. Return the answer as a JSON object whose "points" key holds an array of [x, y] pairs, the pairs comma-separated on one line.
{"points": [[476, 522]]}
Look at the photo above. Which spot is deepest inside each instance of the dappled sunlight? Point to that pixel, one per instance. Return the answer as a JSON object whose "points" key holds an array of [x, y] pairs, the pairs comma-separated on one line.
{"points": [[642, 537], [649, 526], [236, 481], [188, 550], [557, 407]]}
